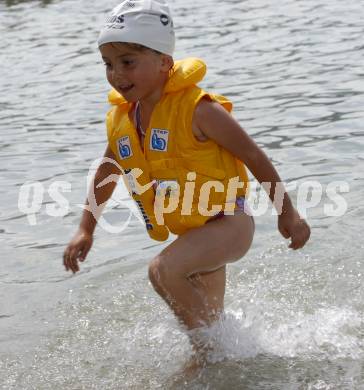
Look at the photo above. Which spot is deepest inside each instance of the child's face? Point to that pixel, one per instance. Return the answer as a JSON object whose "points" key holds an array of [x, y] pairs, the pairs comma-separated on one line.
{"points": [[133, 73]]}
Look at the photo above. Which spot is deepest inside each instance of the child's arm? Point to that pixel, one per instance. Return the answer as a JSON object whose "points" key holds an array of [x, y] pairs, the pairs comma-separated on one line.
{"points": [[81, 243], [217, 124]]}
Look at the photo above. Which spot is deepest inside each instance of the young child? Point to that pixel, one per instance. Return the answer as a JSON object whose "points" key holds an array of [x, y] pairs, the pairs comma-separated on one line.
{"points": [[163, 127]]}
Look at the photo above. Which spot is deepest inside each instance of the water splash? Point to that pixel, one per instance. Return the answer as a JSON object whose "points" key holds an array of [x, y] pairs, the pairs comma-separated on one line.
{"points": [[328, 333]]}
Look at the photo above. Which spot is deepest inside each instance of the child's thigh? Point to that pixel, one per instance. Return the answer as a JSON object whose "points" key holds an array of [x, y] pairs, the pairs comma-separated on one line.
{"points": [[210, 246]]}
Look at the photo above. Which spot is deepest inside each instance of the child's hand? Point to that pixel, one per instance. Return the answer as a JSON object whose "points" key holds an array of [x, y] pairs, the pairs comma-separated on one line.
{"points": [[291, 225], [77, 249]]}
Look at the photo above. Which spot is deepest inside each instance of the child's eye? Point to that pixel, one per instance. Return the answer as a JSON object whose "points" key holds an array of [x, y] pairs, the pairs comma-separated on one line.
{"points": [[128, 62], [107, 64]]}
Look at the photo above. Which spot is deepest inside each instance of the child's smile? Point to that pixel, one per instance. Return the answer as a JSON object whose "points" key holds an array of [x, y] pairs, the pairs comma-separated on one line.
{"points": [[125, 88]]}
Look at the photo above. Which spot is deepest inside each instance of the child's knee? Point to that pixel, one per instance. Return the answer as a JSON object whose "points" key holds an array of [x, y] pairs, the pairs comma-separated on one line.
{"points": [[153, 271], [157, 271], [162, 273]]}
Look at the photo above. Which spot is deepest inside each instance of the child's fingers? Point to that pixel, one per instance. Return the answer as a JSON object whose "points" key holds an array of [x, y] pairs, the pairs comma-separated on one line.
{"points": [[300, 238], [284, 232], [72, 259], [65, 259], [84, 252], [296, 243]]}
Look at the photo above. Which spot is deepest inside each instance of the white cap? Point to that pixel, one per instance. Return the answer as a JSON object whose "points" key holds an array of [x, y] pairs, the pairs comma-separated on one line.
{"points": [[146, 22]]}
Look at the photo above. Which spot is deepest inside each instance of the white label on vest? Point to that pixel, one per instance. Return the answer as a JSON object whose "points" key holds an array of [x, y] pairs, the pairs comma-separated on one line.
{"points": [[131, 182], [124, 147], [159, 140]]}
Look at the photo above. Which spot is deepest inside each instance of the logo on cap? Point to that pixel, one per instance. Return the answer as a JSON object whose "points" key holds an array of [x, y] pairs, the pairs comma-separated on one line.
{"points": [[115, 21], [164, 19]]}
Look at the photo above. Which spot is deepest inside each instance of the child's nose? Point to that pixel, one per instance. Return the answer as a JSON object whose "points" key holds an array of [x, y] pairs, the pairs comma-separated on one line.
{"points": [[118, 74]]}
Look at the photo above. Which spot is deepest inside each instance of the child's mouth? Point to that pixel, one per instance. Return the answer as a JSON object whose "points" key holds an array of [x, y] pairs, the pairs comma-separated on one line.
{"points": [[126, 88]]}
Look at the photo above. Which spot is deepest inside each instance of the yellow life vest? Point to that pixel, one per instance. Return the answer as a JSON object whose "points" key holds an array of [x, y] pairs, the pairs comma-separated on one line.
{"points": [[172, 156]]}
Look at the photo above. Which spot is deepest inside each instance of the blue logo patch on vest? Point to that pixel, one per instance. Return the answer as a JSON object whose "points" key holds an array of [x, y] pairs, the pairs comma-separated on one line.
{"points": [[124, 147], [159, 140]]}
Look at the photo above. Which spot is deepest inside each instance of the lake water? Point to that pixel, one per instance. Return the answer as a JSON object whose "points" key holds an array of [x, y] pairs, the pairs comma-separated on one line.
{"points": [[294, 71]]}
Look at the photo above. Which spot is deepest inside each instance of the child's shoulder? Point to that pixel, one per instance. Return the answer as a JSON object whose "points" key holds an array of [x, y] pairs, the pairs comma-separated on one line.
{"points": [[211, 105]]}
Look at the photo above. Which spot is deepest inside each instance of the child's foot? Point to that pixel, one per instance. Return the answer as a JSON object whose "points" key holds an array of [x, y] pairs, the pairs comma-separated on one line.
{"points": [[194, 366]]}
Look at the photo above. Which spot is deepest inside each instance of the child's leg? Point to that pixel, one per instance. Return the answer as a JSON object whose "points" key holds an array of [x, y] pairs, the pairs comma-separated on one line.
{"points": [[197, 300], [212, 286]]}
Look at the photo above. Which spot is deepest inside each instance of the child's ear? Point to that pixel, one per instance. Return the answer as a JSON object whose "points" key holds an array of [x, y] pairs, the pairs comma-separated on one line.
{"points": [[167, 63]]}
